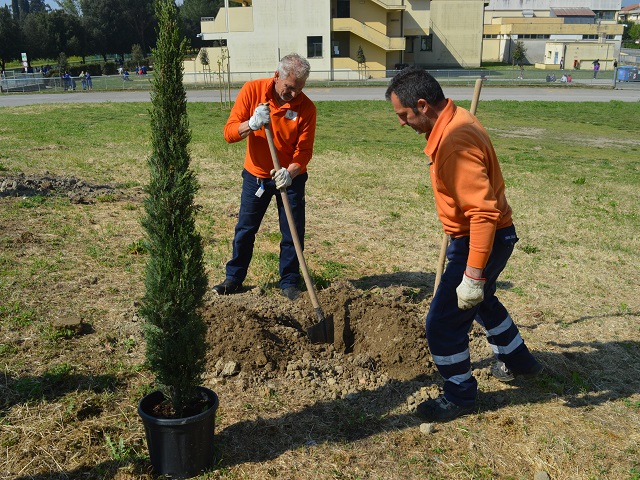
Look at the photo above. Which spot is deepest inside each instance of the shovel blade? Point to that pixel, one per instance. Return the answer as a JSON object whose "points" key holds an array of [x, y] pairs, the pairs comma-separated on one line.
{"points": [[321, 332]]}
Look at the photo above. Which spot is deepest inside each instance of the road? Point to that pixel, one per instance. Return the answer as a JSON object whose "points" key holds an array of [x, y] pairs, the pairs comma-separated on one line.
{"points": [[554, 94]]}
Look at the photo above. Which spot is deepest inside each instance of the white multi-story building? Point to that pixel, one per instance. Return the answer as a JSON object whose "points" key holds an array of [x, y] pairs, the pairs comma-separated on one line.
{"points": [[252, 35]]}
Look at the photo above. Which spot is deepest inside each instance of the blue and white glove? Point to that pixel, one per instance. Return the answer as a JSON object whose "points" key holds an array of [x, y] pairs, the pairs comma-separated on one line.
{"points": [[470, 292], [260, 117], [282, 178]]}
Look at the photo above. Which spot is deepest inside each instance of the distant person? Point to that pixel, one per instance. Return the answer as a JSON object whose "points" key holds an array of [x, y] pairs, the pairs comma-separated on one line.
{"points": [[470, 198], [563, 79], [562, 64], [88, 80], [68, 81], [293, 116], [83, 80], [596, 68]]}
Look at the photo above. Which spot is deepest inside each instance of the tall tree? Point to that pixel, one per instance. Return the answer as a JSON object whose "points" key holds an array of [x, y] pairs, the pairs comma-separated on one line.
{"points": [[9, 37], [139, 16], [37, 40], [67, 33], [106, 30], [23, 9]]}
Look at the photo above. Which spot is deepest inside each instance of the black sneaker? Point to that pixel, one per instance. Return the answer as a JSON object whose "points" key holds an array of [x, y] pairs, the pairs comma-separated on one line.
{"points": [[292, 293], [441, 410], [504, 373], [227, 287]]}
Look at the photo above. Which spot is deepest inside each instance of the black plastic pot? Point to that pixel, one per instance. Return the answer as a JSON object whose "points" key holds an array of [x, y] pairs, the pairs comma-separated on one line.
{"points": [[181, 447]]}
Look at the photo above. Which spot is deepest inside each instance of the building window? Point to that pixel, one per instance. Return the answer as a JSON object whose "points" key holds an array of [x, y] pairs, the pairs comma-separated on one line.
{"points": [[605, 14], [314, 47], [426, 43], [489, 36], [590, 37]]}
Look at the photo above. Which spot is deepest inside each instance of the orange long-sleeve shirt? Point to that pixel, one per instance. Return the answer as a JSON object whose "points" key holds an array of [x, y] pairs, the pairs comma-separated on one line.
{"points": [[293, 125], [467, 181]]}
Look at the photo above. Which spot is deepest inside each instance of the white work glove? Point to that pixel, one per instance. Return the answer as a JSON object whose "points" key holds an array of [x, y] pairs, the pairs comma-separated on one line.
{"points": [[282, 178], [260, 117], [470, 292]]}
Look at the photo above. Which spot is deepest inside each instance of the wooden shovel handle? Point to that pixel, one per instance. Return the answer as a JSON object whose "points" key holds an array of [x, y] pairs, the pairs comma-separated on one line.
{"points": [[292, 226]]}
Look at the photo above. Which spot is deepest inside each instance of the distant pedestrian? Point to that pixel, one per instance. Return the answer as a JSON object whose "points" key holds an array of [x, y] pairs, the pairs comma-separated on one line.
{"points": [[87, 77], [596, 68], [83, 80], [562, 64]]}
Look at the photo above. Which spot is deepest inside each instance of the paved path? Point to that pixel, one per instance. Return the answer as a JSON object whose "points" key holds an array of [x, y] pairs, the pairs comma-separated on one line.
{"points": [[557, 94]]}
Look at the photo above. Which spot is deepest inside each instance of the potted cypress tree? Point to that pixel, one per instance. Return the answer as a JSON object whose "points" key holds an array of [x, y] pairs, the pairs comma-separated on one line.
{"points": [[179, 417]]}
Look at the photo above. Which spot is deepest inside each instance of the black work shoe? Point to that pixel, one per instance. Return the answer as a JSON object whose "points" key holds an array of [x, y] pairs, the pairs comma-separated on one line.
{"points": [[504, 373], [292, 293], [441, 410], [227, 287]]}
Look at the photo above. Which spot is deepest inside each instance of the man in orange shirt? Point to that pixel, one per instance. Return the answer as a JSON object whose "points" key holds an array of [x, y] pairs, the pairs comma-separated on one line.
{"points": [[279, 101], [470, 200]]}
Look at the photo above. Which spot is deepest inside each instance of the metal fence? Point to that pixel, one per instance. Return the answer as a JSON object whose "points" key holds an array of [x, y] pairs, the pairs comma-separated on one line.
{"points": [[35, 82]]}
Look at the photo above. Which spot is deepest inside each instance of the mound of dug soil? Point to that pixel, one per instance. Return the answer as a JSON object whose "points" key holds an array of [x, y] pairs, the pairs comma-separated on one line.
{"points": [[379, 336]]}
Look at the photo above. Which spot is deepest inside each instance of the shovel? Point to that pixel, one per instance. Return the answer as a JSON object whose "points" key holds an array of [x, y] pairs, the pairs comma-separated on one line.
{"points": [[321, 332], [445, 238]]}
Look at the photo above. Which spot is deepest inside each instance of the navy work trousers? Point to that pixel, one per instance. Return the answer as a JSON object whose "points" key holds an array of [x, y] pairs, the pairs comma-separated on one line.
{"points": [[252, 211], [447, 326]]}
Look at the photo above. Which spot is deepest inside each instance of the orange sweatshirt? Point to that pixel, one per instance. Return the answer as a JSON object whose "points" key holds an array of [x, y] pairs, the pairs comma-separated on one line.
{"points": [[293, 125], [467, 181]]}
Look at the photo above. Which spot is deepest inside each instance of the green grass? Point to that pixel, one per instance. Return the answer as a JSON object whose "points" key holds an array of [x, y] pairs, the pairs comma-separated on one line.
{"points": [[573, 180]]}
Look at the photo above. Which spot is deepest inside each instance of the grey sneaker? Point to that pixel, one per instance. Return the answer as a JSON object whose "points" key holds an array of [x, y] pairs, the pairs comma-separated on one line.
{"points": [[292, 293], [504, 373], [227, 287], [441, 410]]}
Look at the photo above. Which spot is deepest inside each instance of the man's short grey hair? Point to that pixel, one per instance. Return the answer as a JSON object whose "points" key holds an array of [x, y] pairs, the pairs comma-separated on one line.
{"points": [[294, 64]]}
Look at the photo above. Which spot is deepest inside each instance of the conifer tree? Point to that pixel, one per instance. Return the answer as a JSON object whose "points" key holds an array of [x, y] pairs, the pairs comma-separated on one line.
{"points": [[175, 280]]}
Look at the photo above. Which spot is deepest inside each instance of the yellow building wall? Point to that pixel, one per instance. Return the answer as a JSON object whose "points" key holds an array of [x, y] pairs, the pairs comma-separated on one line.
{"points": [[457, 38]]}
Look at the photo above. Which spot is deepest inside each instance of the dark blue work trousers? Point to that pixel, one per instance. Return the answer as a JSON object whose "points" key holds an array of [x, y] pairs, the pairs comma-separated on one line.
{"points": [[252, 210], [447, 326]]}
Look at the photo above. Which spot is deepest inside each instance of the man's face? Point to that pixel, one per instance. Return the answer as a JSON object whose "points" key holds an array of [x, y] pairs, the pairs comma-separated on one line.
{"points": [[288, 88], [420, 122]]}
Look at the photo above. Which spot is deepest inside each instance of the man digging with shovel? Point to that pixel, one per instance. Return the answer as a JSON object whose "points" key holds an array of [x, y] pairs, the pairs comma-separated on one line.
{"points": [[278, 101], [470, 200]]}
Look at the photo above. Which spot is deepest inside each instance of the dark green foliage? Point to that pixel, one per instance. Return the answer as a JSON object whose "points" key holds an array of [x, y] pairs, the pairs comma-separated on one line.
{"points": [[175, 279], [9, 37]]}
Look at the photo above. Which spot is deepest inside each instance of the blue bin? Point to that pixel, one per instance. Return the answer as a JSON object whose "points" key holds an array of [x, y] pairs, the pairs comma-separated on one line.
{"points": [[627, 74]]}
